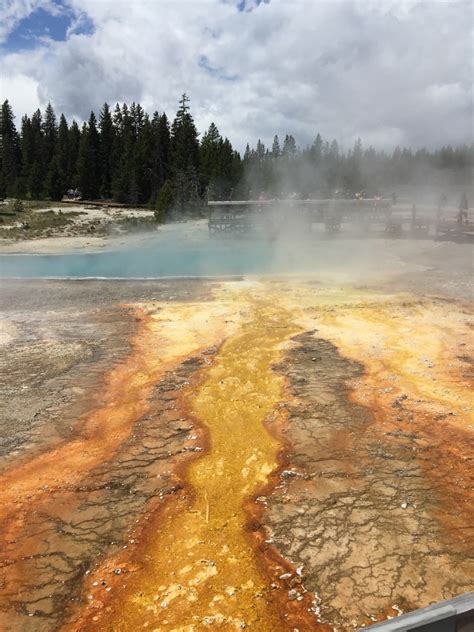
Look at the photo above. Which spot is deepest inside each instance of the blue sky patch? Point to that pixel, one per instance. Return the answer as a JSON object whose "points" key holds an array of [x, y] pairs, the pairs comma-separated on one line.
{"points": [[249, 5], [42, 25], [219, 73]]}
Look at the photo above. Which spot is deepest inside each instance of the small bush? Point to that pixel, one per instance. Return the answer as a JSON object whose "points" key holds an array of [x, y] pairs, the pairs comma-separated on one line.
{"points": [[18, 206], [164, 201]]}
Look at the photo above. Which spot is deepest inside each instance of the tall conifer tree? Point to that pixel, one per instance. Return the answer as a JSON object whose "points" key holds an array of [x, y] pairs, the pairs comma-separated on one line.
{"points": [[50, 135], [107, 138], [10, 155], [184, 155]]}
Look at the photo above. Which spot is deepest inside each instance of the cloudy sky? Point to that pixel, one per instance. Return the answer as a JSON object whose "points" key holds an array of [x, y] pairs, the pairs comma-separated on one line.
{"points": [[391, 72]]}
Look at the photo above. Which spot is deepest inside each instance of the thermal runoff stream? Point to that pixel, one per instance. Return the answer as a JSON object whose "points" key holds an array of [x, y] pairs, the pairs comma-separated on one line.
{"points": [[201, 567], [265, 455]]}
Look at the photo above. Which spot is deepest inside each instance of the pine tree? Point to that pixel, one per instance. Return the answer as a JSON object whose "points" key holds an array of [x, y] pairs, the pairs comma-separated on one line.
{"points": [[164, 140], [137, 117], [62, 154], [50, 135], [184, 155], [10, 154], [37, 172], [164, 136], [289, 147], [316, 151], [134, 158], [210, 150], [36, 181], [159, 157], [165, 201], [129, 139], [73, 154], [27, 157], [62, 147], [276, 151], [83, 163], [123, 185], [88, 160], [260, 150], [218, 168], [55, 185], [55, 154], [142, 179], [119, 186], [95, 167], [333, 166], [107, 138], [229, 169]]}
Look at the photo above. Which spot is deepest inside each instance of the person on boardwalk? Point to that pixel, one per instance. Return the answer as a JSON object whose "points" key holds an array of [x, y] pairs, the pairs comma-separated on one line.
{"points": [[463, 207]]}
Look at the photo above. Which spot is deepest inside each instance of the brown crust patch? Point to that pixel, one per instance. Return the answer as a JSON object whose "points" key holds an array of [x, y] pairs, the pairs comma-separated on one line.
{"points": [[282, 575], [97, 602], [361, 510]]}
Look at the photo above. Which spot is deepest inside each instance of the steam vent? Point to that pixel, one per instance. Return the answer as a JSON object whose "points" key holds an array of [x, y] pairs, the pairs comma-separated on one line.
{"points": [[262, 453]]}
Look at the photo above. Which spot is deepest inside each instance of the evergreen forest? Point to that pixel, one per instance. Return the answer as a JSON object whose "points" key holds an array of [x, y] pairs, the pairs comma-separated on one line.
{"points": [[125, 155]]}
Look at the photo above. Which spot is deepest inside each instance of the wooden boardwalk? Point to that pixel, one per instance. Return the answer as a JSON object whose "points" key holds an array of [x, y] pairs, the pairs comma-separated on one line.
{"points": [[365, 216]]}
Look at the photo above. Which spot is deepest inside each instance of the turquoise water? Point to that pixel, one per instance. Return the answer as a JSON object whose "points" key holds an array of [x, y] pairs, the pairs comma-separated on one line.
{"points": [[169, 256], [163, 259]]}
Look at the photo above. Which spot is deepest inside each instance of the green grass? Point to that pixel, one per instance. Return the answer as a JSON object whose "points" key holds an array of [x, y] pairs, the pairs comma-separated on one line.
{"points": [[28, 223], [20, 220]]}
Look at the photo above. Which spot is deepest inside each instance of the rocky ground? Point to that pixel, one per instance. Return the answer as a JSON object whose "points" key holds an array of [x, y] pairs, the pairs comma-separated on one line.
{"points": [[356, 508]]}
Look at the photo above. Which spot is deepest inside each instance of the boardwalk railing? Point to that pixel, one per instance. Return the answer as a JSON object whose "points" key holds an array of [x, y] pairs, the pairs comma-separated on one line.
{"points": [[272, 217], [454, 615]]}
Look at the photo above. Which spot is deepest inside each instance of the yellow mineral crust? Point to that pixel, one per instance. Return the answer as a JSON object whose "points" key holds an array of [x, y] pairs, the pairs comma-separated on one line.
{"points": [[201, 567], [411, 347]]}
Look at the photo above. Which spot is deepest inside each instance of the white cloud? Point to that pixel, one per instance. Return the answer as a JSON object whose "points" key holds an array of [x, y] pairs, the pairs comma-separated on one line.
{"points": [[394, 72], [22, 94]]}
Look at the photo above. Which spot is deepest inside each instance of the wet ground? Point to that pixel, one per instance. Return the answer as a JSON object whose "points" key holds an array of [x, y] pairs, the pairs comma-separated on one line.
{"points": [[250, 453]]}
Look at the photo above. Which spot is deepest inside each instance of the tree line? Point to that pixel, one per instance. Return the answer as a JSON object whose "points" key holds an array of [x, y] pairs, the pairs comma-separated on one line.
{"points": [[122, 155], [324, 169], [126, 155]]}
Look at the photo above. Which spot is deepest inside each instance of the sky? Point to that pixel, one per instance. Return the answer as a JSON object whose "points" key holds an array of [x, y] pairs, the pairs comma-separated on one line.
{"points": [[391, 72]]}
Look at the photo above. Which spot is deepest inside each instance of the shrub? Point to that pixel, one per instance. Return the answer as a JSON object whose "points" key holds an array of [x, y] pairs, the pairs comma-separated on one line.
{"points": [[164, 201], [18, 206]]}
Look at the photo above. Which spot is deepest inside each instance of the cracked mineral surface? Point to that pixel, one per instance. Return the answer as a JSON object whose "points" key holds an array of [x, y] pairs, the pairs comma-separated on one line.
{"points": [[251, 453]]}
